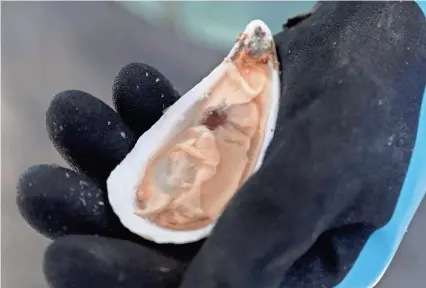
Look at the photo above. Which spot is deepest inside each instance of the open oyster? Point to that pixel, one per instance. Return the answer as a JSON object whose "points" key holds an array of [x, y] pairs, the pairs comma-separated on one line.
{"points": [[183, 171]]}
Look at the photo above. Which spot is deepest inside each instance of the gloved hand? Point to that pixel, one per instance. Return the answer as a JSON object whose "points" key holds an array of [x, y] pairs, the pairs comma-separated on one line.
{"points": [[352, 76]]}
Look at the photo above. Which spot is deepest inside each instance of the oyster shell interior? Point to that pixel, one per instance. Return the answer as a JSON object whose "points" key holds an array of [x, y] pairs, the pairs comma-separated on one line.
{"points": [[179, 177]]}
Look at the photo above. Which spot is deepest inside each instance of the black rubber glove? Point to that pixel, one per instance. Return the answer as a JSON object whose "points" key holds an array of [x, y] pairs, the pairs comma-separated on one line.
{"points": [[352, 84]]}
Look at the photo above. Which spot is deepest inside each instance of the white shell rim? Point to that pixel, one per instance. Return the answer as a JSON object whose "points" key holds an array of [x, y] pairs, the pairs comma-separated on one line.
{"points": [[120, 184]]}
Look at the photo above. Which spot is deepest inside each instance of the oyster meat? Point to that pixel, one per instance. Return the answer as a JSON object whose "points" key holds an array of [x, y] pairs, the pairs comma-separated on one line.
{"points": [[179, 177]]}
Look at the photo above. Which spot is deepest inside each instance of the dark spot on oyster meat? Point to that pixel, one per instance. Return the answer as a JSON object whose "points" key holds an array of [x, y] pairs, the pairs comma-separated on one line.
{"points": [[214, 119]]}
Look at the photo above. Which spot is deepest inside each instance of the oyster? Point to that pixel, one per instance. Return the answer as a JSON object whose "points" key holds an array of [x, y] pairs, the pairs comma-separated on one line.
{"points": [[179, 177]]}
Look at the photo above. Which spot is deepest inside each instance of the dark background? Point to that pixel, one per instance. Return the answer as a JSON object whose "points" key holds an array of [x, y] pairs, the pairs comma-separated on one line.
{"points": [[47, 47]]}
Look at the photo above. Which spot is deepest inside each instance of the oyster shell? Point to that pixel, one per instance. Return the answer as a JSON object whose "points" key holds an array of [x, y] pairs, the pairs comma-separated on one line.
{"points": [[176, 181]]}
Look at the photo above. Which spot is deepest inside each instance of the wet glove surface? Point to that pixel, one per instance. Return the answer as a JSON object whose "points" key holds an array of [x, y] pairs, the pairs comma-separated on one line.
{"points": [[352, 83]]}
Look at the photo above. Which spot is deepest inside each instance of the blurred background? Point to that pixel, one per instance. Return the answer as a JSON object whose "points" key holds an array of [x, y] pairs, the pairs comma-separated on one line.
{"points": [[49, 47]]}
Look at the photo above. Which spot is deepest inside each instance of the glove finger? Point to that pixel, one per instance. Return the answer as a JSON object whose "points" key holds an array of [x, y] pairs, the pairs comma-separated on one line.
{"points": [[141, 94], [56, 201], [88, 134], [90, 261]]}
